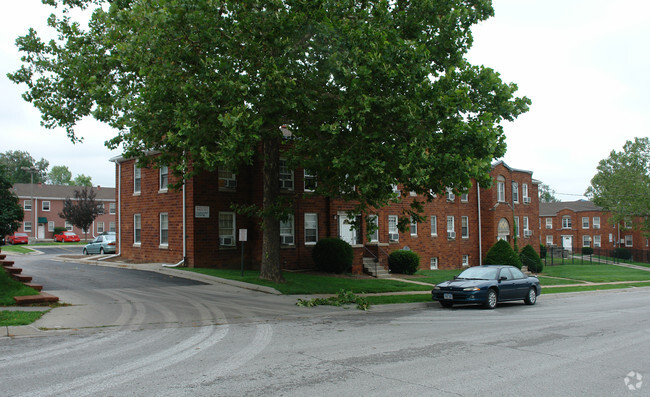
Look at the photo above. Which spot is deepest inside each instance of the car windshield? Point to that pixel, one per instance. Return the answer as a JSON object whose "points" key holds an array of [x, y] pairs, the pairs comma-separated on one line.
{"points": [[482, 273], [69, 234], [21, 234]]}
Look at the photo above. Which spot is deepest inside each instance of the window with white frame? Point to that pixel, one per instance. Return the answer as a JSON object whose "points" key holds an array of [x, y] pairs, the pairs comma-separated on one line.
{"points": [[516, 226], [111, 208], [524, 192], [227, 229], [451, 232], [286, 176], [464, 227], [515, 192], [450, 194], [45, 205], [393, 232], [549, 223], [111, 227], [627, 224], [27, 205], [287, 231], [137, 178], [465, 260], [137, 229], [311, 181], [585, 222], [549, 240], [395, 189], [374, 236], [27, 226], [464, 197], [164, 228], [414, 227], [566, 222], [100, 208], [163, 178], [434, 263], [628, 240], [227, 179], [586, 241], [50, 226], [311, 229], [597, 241], [596, 222], [100, 227], [501, 189], [434, 225], [68, 226], [526, 227]]}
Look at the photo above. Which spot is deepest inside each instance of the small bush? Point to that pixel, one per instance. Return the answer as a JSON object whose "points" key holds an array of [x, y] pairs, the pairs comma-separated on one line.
{"points": [[502, 254], [622, 253], [333, 255], [542, 251], [530, 259], [59, 230], [587, 250], [403, 262]]}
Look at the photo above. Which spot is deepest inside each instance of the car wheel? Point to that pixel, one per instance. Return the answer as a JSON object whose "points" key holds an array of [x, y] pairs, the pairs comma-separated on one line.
{"points": [[531, 298], [85, 251], [446, 304], [101, 251], [491, 300]]}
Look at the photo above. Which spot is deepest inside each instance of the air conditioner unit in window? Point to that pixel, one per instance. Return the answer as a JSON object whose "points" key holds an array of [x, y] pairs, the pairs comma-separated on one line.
{"points": [[231, 183], [528, 233], [286, 240], [393, 237], [286, 184], [526, 200], [451, 235], [226, 241]]}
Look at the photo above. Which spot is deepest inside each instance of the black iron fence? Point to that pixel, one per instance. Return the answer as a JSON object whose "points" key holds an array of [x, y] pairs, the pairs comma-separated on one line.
{"points": [[556, 255]]}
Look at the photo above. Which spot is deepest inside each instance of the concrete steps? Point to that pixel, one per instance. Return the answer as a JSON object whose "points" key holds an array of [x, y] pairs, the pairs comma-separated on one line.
{"points": [[374, 269], [16, 274]]}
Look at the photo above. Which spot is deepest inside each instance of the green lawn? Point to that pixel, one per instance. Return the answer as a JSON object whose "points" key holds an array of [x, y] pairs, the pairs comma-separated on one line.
{"points": [[16, 249], [10, 288], [14, 318], [434, 276], [601, 273], [556, 281]]}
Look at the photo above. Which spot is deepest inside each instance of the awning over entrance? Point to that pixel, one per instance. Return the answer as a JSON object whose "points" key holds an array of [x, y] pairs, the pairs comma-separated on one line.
{"points": [[42, 219]]}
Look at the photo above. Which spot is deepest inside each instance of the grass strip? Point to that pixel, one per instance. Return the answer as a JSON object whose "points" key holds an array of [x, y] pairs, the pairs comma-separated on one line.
{"points": [[10, 288], [16, 249], [581, 288], [597, 273], [14, 318]]}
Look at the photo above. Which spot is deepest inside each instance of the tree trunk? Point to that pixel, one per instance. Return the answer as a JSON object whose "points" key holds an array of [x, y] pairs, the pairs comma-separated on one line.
{"points": [[271, 268]]}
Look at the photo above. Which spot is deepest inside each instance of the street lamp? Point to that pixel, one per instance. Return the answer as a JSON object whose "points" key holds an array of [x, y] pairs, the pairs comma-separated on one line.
{"points": [[32, 170]]}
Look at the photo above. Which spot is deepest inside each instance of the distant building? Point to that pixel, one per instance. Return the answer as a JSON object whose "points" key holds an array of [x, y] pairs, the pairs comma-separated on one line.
{"points": [[42, 204], [197, 224]]}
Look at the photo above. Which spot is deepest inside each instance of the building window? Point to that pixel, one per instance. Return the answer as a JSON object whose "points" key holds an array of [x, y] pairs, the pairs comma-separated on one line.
{"points": [[395, 189], [137, 229], [374, 237], [27, 226], [286, 176], [434, 225], [137, 178], [464, 227], [311, 229], [549, 240], [100, 227], [524, 193], [393, 233], [414, 227], [45, 205], [164, 178], [597, 241], [515, 192], [586, 241], [68, 226], [286, 231], [627, 224], [50, 226], [111, 227], [501, 189], [566, 222], [27, 205], [464, 197], [527, 231], [111, 208], [100, 208], [434, 264], [227, 179], [311, 181], [465, 260], [585, 222], [596, 222], [549, 223], [450, 194], [226, 229], [164, 228], [628, 240], [451, 233], [516, 226]]}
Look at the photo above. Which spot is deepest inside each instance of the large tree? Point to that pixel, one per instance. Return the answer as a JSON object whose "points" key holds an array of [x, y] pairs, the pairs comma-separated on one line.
{"points": [[82, 210], [11, 213], [59, 175], [622, 183], [20, 165], [546, 194], [374, 93]]}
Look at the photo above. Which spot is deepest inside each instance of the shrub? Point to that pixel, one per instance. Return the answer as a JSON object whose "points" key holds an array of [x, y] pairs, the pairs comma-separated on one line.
{"points": [[502, 254], [333, 255], [587, 250], [59, 230], [622, 253], [403, 262], [530, 259], [542, 251]]}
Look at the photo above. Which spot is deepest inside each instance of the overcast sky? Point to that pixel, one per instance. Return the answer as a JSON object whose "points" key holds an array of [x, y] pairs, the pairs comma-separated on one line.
{"points": [[583, 63]]}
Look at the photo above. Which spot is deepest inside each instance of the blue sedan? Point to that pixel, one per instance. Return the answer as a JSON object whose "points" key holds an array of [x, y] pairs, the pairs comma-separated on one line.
{"points": [[488, 285]]}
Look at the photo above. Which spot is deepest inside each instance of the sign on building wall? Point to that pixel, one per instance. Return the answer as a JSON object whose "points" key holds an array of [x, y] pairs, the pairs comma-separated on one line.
{"points": [[201, 211], [243, 234]]}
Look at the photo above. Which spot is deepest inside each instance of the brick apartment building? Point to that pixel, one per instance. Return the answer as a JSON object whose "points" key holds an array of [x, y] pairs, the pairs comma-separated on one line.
{"points": [[576, 224], [42, 204], [459, 230]]}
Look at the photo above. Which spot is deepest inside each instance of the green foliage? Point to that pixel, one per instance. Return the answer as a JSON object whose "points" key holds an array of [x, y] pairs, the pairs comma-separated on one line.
{"points": [[11, 213], [587, 250], [342, 298], [10, 288], [530, 259], [333, 255], [622, 253], [59, 175], [546, 194], [82, 180], [59, 229], [83, 210], [17, 164], [403, 262], [502, 254], [542, 251], [14, 318]]}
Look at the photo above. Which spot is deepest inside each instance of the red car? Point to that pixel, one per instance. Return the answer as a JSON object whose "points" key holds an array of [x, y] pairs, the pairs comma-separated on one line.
{"points": [[67, 237], [18, 238]]}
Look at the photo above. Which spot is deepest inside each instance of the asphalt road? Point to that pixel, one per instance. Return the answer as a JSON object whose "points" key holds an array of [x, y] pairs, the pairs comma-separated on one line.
{"points": [[143, 333]]}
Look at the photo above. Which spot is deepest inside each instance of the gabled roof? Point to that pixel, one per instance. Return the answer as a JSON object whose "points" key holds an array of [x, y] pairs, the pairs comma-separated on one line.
{"points": [[494, 165], [551, 209], [43, 191]]}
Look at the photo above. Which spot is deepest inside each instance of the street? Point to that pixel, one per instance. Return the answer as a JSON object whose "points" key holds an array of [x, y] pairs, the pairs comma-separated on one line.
{"points": [[142, 333]]}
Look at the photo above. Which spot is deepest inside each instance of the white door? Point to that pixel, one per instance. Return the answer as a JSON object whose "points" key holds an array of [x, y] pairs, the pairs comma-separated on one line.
{"points": [[41, 231], [567, 242], [346, 233]]}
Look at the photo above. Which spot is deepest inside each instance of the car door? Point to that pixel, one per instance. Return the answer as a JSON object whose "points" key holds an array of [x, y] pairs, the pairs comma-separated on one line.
{"points": [[94, 245], [522, 284], [507, 285]]}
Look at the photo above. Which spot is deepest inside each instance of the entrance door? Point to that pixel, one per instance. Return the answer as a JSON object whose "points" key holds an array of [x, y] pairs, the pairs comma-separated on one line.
{"points": [[41, 231], [567, 242], [346, 232]]}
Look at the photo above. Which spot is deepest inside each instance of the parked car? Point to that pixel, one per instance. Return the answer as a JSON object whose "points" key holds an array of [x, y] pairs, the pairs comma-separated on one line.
{"points": [[488, 285], [67, 237], [18, 238], [103, 244]]}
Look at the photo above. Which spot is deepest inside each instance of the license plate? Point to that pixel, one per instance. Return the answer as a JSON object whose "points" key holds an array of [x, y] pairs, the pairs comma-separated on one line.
{"points": [[448, 296]]}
